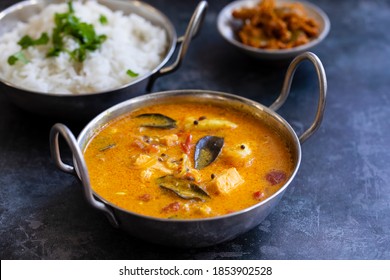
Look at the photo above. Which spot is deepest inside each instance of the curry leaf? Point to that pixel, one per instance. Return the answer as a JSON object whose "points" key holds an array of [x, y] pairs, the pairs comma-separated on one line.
{"points": [[156, 120], [184, 188]]}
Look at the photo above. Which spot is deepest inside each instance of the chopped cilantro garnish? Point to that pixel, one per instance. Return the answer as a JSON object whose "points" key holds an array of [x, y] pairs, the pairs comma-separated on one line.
{"points": [[131, 73], [27, 41], [70, 7], [67, 25], [103, 19], [19, 56]]}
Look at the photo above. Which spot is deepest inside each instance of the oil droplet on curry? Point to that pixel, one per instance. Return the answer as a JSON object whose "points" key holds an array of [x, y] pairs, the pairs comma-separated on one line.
{"points": [[187, 161]]}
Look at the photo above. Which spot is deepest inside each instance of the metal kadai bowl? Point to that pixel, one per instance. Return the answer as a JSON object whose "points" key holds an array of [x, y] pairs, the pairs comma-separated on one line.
{"points": [[228, 27], [88, 105], [193, 232]]}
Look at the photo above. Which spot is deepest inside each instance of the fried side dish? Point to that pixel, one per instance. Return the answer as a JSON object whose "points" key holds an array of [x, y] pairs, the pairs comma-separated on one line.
{"points": [[271, 26]]}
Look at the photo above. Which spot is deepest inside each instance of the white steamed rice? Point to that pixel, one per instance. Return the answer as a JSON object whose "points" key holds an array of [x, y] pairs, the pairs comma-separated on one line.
{"points": [[132, 43]]}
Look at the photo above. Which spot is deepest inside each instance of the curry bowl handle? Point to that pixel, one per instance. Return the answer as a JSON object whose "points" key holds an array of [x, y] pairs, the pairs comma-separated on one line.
{"points": [[185, 40], [322, 84], [79, 162]]}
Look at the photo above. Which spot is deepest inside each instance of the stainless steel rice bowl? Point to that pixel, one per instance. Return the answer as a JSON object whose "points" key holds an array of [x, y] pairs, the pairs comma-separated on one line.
{"points": [[87, 105], [194, 232]]}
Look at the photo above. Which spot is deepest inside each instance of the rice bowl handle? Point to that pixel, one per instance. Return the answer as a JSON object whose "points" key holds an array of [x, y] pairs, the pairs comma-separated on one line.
{"points": [[185, 40]]}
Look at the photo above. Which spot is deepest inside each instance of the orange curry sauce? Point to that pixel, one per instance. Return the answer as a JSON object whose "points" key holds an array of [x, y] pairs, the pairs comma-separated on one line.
{"points": [[125, 160]]}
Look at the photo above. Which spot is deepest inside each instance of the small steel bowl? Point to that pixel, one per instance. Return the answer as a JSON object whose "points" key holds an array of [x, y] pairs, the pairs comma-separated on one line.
{"points": [[228, 27], [87, 105], [192, 232]]}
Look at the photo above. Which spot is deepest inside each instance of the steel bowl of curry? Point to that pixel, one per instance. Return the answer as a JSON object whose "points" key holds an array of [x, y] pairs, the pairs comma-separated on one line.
{"points": [[188, 168]]}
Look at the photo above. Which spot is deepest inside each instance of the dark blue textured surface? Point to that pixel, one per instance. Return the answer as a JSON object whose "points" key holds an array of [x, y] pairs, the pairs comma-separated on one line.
{"points": [[338, 206]]}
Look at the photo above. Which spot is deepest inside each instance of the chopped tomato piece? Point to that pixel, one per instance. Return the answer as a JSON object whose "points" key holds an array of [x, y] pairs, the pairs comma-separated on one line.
{"points": [[187, 145], [145, 197], [259, 195], [275, 177], [152, 148], [173, 207], [139, 144]]}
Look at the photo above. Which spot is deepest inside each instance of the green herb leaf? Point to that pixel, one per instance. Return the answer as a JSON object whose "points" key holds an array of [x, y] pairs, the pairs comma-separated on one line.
{"points": [[103, 19], [67, 25], [19, 56], [43, 40], [53, 52], [70, 6], [131, 73], [79, 54], [27, 41]]}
